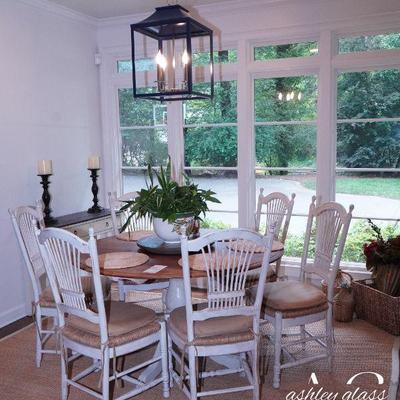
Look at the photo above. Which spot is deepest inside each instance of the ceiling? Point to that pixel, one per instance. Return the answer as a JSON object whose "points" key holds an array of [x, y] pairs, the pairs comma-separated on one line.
{"points": [[116, 8]]}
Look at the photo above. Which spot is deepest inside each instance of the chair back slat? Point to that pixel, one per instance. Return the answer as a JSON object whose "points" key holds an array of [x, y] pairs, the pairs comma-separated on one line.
{"points": [[22, 218], [119, 218], [278, 209], [62, 252], [327, 225], [227, 257]]}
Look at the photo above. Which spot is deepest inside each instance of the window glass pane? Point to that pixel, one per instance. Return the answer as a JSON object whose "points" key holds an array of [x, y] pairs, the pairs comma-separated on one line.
{"points": [[368, 145], [220, 220], [141, 147], [373, 42], [223, 183], [374, 195], [221, 109], [133, 180], [304, 49], [360, 232], [286, 99], [369, 94], [286, 146], [211, 147], [301, 183], [220, 57], [199, 59], [140, 112], [143, 64]]}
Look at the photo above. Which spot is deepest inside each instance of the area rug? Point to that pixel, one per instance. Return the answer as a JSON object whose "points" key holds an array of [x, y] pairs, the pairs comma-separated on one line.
{"points": [[359, 348]]}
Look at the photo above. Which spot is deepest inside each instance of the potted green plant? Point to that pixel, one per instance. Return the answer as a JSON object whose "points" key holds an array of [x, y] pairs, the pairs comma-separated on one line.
{"points": [[166, 201]]}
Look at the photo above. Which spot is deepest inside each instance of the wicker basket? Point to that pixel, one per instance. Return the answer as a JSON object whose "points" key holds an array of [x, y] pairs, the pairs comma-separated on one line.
{"points": [[343, 305], [377, 307], [341, 277]]}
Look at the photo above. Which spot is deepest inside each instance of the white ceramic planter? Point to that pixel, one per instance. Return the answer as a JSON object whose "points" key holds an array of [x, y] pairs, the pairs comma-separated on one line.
{"points": [[165, 231]]}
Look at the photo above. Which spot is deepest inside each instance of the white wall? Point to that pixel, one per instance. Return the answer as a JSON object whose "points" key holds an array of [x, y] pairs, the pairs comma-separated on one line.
{"points": [[49, 109]]}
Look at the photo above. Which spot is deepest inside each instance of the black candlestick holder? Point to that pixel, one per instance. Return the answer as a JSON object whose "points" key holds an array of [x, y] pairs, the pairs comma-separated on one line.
{"points": [[46, 198], [95, 190]]}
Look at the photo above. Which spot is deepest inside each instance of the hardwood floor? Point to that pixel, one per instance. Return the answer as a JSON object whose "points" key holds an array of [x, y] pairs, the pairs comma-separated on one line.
{"points": [[15, 326]]}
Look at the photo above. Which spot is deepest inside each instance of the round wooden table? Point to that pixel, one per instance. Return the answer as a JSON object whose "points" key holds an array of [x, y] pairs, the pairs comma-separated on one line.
{"points": [[172, 272], [175, 293]]}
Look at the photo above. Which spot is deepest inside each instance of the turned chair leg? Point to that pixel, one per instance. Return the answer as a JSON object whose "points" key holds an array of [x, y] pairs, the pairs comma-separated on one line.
{"points": [[192, 373], [256, 372], [105, 386], [164, 360], [329, 338], [39, 346], [277, 349]]}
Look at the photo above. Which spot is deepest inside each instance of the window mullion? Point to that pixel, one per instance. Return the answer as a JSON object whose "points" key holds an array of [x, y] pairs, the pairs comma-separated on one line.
{"points": [[326, 119], [176, 139]]}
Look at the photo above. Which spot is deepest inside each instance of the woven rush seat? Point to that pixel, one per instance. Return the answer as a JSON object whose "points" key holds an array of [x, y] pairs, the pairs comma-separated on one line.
{"points": [[292, 299], [46, 298], [125, 322], [221, 330]]}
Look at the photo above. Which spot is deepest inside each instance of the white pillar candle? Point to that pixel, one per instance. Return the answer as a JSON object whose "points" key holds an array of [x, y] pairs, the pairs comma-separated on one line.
{"points": [[45, 167], [94, 162]]}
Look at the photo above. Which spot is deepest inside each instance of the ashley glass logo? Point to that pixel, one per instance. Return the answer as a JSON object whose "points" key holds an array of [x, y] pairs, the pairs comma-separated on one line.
{"points": [[318, 393]]}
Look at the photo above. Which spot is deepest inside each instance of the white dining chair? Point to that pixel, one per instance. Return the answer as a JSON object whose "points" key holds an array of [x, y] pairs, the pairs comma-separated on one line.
{"points": [[104, 331], [298, 303], [278, 208], [226, 324], [43, 303], [119, 218]]}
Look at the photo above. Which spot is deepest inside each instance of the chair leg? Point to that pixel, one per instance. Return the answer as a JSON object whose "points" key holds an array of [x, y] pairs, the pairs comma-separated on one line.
{"points": [[38, 322], [64, 373], [329, 338], [105, 386], [170, 362], [277, 349], [256, 372], [192, 373], [164, 360]]}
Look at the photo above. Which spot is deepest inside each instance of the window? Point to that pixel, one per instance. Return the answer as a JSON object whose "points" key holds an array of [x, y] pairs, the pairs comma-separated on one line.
{"points": [[199, 59], [285, 114], [368, 150], [304, 49], [143, 137], [367, 43], [210, 134]]}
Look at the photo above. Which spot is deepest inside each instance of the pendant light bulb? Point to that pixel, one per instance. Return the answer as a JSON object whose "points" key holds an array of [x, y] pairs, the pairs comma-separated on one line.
{"points": [[161, 61], [185, 58]]}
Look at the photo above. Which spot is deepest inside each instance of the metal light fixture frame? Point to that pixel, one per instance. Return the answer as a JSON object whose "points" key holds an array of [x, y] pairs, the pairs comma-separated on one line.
{"points": [[170, 20]]}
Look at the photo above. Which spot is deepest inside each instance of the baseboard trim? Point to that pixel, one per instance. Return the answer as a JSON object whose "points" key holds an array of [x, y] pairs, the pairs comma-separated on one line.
{"points": [[9, 316]]}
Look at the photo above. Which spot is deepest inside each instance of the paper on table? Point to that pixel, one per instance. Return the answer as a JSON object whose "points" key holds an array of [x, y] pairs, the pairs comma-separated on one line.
{"points": [[155, 268]]}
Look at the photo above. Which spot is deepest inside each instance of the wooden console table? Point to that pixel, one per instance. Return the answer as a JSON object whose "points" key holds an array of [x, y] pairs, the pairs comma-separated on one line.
{"points": [[80, 222]]}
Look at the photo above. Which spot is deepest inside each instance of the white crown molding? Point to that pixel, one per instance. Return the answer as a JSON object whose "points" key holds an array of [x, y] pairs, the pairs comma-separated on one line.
{"points": [[62, 11]]}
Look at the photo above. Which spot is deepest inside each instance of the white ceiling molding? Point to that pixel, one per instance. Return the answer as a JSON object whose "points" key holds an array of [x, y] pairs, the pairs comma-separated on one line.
{"points": [[61, 11]]}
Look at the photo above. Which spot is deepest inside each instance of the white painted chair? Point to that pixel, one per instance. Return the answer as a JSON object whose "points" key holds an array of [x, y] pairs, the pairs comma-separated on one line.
{"points": [[278, 208], [42, 304], [298, 303], [119, 218], [227, 324], [135, 224], [103, 332]]}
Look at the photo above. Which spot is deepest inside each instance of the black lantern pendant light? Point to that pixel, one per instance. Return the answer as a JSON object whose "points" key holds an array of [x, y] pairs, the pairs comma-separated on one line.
{"points": [[164, 42]]}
